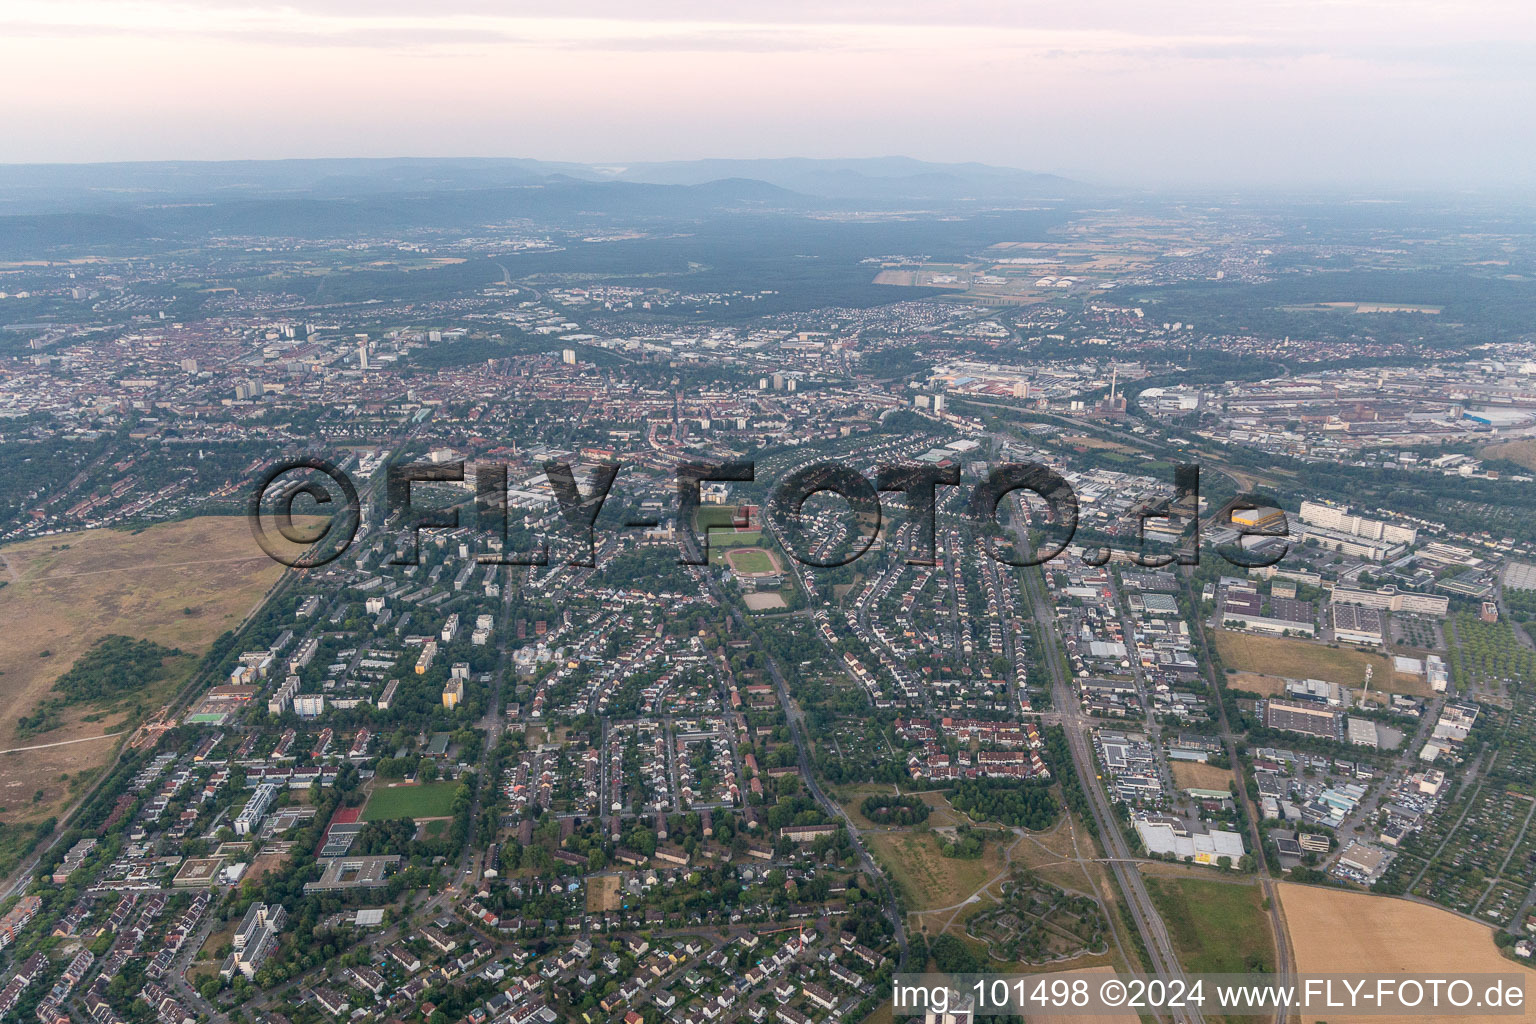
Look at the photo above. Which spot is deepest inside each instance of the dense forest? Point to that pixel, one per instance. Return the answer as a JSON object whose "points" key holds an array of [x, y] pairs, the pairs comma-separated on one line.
{"points": [[894, 810], [1027, 806]]}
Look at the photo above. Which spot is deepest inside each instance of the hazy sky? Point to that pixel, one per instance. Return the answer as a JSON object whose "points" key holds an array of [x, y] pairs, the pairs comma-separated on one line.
{"points": [[1125, 91]]}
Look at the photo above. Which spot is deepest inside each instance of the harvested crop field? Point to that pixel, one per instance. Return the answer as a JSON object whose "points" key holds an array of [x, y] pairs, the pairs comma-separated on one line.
{"points": [[179, 584], [1337, 931]]}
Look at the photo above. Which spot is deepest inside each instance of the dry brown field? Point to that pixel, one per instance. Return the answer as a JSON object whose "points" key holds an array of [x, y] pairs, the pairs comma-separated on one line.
{"points": [[1334, 931], [1521, 452], [179, 584], [1308, 659], [1194, 775]]}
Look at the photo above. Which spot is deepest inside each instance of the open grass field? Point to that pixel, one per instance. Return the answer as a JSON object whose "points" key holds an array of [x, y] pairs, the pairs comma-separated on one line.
{"points": [[433, 800], [179, 584], [1256, 682], [943, 813], [1304, 659], [1337, 931], [1520, 452], [850, 797], [604, 894], [929, 879], [1216, 927], [881, 1014], [1193, 775], [1097, 443]]}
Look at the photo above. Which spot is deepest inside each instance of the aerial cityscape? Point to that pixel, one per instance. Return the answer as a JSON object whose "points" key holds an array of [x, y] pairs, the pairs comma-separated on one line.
{"points": [[494, 590]]}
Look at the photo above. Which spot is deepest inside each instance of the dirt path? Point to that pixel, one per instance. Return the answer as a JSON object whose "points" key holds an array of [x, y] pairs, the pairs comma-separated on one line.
{"points": [[152, 565], [65, 743]]}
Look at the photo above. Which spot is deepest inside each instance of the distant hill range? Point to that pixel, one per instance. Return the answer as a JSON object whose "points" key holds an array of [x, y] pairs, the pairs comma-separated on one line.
{"points": [[73, 204], [40, 187]]}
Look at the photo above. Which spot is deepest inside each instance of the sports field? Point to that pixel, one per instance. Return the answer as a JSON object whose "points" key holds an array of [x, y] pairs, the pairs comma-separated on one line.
{"points": [[433, 800], [1337, 931], [179, 584], [751, 561]]}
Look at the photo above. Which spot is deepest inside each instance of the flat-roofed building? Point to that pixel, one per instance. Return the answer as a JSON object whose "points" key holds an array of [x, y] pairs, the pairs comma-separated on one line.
{"points": [[1362, 732], [1356, 624], [1263, 517], [1310, 718]]}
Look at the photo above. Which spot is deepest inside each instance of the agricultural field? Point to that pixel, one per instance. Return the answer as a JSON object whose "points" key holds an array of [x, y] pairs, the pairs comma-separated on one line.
{"points": [[1216, 927], [1076, 1017], [178, 584], [1333, 930], [433, 800], [1304, 659]]}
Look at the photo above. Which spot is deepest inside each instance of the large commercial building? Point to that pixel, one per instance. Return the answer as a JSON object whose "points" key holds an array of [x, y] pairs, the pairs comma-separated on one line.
{"points": [[1166, 835], [1342, 520], [1309, 717], [1390, 599], [1337, 529], [1354, 624], [1265, 517], [1248, 610]]}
